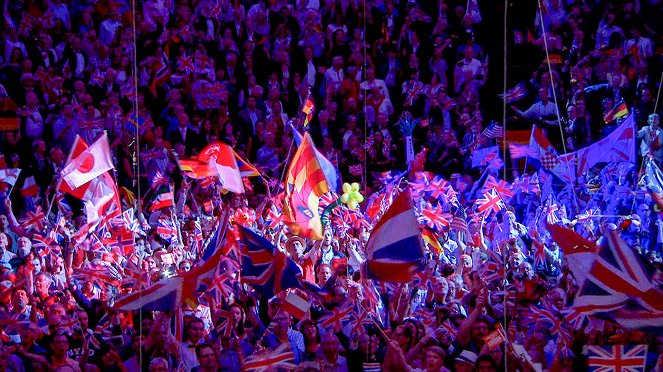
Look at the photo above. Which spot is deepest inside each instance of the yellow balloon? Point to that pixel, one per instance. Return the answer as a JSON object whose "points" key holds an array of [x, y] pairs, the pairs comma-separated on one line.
{"points": [[345, 198], [359, 198], [347, 188], [352, 205], [355, 186]]}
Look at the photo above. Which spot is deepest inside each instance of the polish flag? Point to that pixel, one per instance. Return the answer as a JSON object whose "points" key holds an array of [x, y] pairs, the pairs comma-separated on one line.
{"points": [[30, 187], [90, 164]]}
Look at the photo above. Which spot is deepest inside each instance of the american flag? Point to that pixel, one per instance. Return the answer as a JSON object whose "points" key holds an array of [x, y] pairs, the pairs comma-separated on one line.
{"points": [[459, 222], [617, 358], [493, 130]]}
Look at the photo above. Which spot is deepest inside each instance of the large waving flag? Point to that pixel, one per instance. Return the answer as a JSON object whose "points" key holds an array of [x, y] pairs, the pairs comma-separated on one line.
{"points": [[545, 152], [326, 165], [168, 294], [90, 164], [266, 268], [395, 250], [620, 286], [578, 251], [305, 184], [617, 147]]}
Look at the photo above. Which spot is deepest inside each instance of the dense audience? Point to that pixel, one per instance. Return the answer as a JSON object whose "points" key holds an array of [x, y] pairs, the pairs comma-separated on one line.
{"points": [[164, 79]]}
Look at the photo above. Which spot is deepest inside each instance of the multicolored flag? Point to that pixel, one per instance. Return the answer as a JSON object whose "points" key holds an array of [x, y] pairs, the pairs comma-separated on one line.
{"points": [[305, 183], [308, 109], [395, 251]]}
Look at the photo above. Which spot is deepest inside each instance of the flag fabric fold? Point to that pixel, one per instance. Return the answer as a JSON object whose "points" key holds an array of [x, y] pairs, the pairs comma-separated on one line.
{"points": [[395, 250], [305, 184], [90, 164]]}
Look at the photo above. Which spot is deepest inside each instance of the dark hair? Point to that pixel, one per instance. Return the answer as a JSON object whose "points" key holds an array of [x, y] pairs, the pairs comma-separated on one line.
{"points": [[200, 348], [486, 358]]}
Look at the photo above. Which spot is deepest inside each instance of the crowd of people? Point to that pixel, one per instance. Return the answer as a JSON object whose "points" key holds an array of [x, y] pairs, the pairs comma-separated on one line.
{"points": [[164, 79]]}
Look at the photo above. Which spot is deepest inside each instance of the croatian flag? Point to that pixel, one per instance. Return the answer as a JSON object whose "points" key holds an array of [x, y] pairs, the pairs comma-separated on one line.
{"points": [[395, 250]]}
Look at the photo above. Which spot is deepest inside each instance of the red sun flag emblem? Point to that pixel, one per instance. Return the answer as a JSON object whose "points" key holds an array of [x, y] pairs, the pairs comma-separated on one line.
{"points": [[87, 164]]}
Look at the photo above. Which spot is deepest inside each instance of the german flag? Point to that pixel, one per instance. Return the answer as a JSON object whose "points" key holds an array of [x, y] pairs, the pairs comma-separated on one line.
{"points": [[305, 183], [430, 238], [617, 112], [308, 108]]}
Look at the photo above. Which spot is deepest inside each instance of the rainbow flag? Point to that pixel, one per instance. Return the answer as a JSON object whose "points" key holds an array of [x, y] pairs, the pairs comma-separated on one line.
{"points": [[305, 183]]}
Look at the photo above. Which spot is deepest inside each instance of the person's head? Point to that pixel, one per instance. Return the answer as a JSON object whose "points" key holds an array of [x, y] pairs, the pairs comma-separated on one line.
{"points": [[236, 313], [368, 343], [83, 318], [654, 120], [207, 357], [329, 345], [42, 283], [20, 298], [309, 329], [29, 334], [485, 363], [434, 358], [4, 222], [323, 273], [526, 270], [557, 297], [404, 336], [282, 322], [159, 365], [4, 241], [195, 330], [60, 344], [480, 329], [465, 361], [184, 266], [296, 247], [543, 94]]}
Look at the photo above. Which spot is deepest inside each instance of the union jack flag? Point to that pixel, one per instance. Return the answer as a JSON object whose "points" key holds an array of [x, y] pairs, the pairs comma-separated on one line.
{"points": [[434, 218], [185, 64], [273, 217], [528, 185], [338, 318], [34, 220], [620, 286], [264, 266], [490, 202], [281, 357], [617, 358], [502, 187], [166, 229]]}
